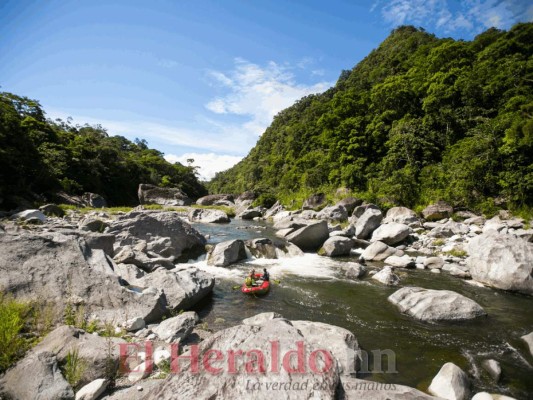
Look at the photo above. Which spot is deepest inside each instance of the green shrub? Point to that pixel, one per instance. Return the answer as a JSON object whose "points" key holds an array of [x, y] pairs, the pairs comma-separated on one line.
{"points": [[74, 368], [13, 317]]}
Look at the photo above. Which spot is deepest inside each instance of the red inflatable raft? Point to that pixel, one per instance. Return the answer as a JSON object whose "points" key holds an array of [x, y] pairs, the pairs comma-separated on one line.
{"points": [[263, 288]]}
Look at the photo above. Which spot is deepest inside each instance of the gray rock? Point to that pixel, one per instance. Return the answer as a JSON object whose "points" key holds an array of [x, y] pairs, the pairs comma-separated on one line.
{"points": [[36, 376], [379, 251], [433, 262], [93, 200], [165, 232], [52, 210], [30, 214], [314, 202], [100, 241], [367, 223], [387, 276], [176, 328], [333, 213], [134, 324], [262, 248], [529, 341], [208, 216], [250, 214], [261, 319], [437, 211], [402, 215], [450, 383], [211, 199], [357, 389], [449, 229], [360, 210], [355, 271], [151, 194], [501, 261], [92, 225], [336, 246], [234, 385], [274, 210], [129, 272], [435, 305], [400, 262], [183, 287], [480, 221], [94, 350], [310, 237], [339, 341], [60, 272], [227, 253], [92, 390], [391, 233], [493, 368], [349, 203], [289, 222]]}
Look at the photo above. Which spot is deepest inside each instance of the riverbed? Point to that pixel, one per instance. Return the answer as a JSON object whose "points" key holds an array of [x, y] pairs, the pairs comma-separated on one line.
{"points": [[315, 288]]}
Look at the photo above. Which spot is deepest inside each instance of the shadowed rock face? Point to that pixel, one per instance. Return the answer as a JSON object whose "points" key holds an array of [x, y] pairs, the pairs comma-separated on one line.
{"points": [[37, 267]]}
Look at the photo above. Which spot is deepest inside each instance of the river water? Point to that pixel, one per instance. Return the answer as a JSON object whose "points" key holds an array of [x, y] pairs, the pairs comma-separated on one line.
{"points": [[314, 288]]}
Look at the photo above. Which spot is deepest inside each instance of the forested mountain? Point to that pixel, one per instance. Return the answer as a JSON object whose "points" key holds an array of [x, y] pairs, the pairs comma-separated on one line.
{"points": [[419, 119], [39, 157]]}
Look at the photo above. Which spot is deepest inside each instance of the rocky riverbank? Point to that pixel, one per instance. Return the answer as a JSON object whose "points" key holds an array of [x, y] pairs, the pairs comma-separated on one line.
{"points": [[129, 271]]}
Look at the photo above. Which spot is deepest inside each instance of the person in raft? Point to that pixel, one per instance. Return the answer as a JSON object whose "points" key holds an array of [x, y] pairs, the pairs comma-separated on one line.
{"points": [[250, 279], [266, 275]]}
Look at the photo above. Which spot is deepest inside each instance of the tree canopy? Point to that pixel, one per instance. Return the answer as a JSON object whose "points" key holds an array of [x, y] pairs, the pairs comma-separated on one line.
{"points": [[419, 119], [39, 157]]}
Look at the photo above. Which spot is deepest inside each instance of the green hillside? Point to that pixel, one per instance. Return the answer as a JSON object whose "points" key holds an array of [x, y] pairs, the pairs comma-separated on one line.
{"points": [[419, 119], [39, 157]]}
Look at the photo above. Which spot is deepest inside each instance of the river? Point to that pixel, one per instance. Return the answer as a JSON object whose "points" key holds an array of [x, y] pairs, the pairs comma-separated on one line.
{"points": [[314, 288]]}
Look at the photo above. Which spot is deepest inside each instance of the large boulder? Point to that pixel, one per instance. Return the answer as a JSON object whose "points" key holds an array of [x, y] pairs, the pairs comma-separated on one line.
{"points": [[176, 328], [333, 213], [256, 343], [402, 215], [266, 248], [528, 339], [208, 216], [69, 272], [391, 233], [52, 210], [502, 261], [183, 286], [340, 342], [356, 389], [349, 203], [165, 232], [437, 211], [450, 383], [367, 223], [387, 276], [336, 246], [227, 253], [37, 376], [379, 251], [310, 237], [94, 351], [27, 215], [314, 202], [250, 213], [93, 200], [151, 194], [435, 305], [212, 199], [93, 390]]}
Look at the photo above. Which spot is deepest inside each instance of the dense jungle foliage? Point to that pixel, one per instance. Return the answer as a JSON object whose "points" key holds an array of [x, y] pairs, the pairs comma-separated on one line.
{"points": [[419, 119], [39, 157]]}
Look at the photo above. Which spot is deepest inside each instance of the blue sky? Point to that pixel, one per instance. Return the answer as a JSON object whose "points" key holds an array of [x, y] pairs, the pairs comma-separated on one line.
{"points": [[202, 79]]}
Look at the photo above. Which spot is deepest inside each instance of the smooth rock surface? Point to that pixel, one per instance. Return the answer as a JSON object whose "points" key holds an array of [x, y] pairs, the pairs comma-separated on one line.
{"points": [[435, 305], [175, 328], [450, 383], [387, 276], [378, 251], [208, 216], [310, 237], [336, 246], [391, 233], [368, 223], [227, 253]]}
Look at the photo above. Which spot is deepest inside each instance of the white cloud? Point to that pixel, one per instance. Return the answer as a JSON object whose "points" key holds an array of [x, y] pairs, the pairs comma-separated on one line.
{"points": [[259, 92], [471, 16], [209, 163]]}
